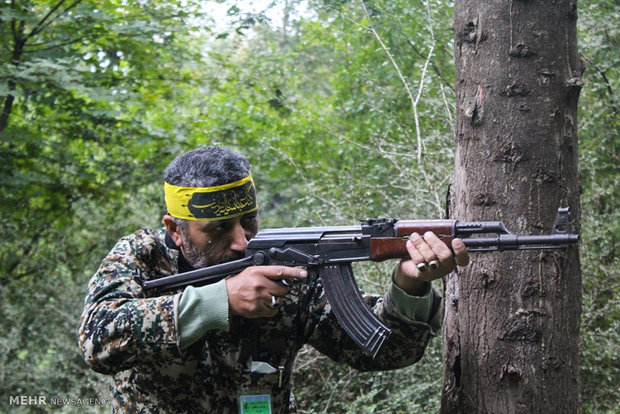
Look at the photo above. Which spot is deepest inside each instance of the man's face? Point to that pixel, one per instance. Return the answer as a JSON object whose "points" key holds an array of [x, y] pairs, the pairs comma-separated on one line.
{"points": [[212, 242]]}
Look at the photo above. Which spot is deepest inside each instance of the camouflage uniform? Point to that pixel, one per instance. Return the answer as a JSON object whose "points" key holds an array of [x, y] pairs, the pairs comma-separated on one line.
{"points": [[133, 337]]}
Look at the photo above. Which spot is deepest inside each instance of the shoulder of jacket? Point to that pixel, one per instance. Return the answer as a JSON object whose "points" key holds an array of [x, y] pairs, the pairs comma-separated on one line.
{"points": [[148, 246]]}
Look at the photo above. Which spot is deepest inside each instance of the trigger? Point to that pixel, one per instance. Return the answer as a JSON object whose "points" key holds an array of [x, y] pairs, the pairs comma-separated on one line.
{"points": [[290, 282]]}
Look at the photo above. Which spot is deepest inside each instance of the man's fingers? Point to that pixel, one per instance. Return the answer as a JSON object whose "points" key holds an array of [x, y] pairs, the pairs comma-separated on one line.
{"points": [[433, 257], [415, 254], [423, 251], [461, 256], [422, 247], [279, 278], [438, 247], [257, 291], [283, 272]]}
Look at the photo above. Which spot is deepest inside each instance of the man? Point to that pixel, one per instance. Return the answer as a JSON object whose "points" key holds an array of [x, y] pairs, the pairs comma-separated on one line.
{"points": [[231, 346]]}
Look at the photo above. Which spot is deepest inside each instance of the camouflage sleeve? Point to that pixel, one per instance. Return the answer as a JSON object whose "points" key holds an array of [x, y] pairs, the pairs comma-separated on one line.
{"points": [[120, 327], [405, 345]]}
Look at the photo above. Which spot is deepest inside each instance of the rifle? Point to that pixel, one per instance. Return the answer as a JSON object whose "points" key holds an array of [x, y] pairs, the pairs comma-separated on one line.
{"points": [[327, 253]]}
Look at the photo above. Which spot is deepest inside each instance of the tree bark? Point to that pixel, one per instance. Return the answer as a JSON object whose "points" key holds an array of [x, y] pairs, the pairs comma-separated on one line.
{"points": [[18, 47], [511, 326]]}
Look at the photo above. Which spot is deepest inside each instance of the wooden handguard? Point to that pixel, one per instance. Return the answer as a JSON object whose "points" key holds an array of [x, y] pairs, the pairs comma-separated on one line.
{"points": [[385, 248]]}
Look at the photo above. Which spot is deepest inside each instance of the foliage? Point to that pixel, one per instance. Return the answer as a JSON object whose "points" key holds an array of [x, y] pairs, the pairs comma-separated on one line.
{"points": [[344, 109], [75, 80], [599, 158]]}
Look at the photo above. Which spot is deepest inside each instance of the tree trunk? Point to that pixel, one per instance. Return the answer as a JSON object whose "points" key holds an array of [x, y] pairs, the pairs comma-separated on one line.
{"points": [[512, 319]]}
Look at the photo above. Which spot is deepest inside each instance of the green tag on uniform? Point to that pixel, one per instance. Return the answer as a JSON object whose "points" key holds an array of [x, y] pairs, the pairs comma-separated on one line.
{"points": [[255, 404]]}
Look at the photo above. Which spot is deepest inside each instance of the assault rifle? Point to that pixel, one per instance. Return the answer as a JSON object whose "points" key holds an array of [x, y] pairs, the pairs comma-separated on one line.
{"points": [[327, 253]]}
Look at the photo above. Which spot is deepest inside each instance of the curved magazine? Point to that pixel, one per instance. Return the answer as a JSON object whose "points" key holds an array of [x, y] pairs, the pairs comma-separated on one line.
{"points": [[351, 311]]}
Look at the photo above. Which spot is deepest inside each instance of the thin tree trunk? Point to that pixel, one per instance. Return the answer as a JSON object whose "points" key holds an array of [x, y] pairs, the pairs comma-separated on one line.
{"points": [[512, 319], [19, 42]]}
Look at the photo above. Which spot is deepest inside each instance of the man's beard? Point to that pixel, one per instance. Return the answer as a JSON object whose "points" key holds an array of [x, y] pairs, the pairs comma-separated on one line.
{"points": [[200, 258]]}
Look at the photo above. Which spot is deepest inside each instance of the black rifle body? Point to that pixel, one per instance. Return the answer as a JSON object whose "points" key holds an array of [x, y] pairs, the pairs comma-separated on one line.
{"points": [[327, 253]]}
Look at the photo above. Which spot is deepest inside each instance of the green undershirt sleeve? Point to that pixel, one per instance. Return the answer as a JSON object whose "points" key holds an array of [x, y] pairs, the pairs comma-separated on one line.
{"points": [[200, 310], [417, 308]]}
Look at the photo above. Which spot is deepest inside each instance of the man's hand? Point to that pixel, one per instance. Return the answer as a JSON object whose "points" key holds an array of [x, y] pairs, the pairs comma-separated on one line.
{"points": [[430, 259], [253, 292]]}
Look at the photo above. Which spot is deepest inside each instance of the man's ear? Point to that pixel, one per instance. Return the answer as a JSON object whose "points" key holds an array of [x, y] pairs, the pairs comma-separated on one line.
{"points": [[173, 230]]}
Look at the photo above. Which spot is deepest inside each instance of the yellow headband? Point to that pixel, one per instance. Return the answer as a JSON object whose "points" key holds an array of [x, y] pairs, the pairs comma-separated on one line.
{"points": [[211, 203]]}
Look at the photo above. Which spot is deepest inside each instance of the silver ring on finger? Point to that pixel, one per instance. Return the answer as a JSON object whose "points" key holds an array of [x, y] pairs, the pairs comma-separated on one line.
{"points": [[274, 302], [422, 267], [434, 264]]}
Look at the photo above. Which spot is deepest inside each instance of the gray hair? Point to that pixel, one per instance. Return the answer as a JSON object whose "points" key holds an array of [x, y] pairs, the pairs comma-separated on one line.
{"points": [[206, 167]]}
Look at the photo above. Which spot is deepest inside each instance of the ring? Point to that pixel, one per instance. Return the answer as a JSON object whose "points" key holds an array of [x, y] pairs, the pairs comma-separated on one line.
{"points": [[422, 267], [434, 264], [274, 302]]}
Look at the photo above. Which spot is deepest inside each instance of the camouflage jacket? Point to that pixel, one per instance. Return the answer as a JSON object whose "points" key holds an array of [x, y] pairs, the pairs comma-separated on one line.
{"points": [[134, 337]]}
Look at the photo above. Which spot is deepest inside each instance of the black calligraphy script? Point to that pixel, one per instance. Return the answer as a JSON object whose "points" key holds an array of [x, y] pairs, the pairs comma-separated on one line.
{"points": [[222, 204]]}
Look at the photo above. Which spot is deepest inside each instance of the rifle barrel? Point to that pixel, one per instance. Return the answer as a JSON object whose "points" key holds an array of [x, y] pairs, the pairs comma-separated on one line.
{"points": [[198, 277], [517, 242]]}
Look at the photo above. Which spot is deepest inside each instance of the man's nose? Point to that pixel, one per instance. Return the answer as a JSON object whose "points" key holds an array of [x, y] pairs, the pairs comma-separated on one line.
{"points": [[239, 240]]}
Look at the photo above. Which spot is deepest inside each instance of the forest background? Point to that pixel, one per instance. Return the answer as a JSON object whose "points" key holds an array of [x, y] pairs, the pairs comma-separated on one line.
{"points": [[345, 109]]}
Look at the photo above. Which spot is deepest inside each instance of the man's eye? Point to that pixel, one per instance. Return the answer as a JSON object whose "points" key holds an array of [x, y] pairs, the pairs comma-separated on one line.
{"points": [[248, 221], [215, 229]]}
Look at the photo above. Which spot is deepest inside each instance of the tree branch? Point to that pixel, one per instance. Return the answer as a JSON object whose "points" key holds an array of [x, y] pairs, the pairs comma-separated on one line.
{"points": [[39, 47], [44, 23], [610, 91], [15, 263], [433, 65], [402, 78], [17, 29]]}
